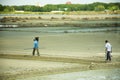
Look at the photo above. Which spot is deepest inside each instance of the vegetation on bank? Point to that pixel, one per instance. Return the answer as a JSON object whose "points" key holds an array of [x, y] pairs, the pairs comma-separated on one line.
{"points": [[97, 6]]}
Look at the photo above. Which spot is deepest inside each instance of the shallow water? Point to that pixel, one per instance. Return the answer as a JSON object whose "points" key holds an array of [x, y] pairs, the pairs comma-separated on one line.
{"points": [[63, 29], [107, 74]]}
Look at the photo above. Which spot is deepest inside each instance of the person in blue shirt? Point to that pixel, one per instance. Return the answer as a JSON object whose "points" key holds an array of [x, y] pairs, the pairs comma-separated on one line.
{"points": [[35, 47]]}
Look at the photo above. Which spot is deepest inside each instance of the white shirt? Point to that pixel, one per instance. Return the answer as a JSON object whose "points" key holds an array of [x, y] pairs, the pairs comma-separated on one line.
{"points": [[108, 46]]}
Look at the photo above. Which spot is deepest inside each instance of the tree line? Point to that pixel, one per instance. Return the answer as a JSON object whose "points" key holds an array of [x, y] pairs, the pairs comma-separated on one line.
{"points": [[97, 6]]}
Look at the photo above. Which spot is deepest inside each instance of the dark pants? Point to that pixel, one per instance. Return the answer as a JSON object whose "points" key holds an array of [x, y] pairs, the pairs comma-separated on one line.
{"points": [[35, 49], [108, 56]]}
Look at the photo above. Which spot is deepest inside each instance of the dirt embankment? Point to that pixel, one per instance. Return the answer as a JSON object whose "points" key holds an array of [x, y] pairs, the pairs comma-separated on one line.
{"points": [[61, 20]]}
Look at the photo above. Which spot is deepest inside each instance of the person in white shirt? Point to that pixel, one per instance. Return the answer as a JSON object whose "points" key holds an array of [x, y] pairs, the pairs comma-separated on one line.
{"points": [[108, 50]]}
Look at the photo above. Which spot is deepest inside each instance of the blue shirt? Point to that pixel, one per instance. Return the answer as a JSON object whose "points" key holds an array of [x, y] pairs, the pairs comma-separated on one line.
{"points": [[35, 44]]}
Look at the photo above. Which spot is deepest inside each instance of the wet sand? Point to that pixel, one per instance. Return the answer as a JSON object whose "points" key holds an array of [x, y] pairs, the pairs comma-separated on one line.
{"points": [[59, 44], [108, 74]]}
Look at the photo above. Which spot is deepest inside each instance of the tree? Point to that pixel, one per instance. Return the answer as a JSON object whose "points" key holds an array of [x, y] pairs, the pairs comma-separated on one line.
{"points": [[99, 8], [113, 8], [1, 8], [9, 9], [27, 8]]}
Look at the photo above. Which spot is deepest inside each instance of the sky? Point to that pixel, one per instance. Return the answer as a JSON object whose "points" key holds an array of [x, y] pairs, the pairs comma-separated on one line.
{"points": [[44, 2]]}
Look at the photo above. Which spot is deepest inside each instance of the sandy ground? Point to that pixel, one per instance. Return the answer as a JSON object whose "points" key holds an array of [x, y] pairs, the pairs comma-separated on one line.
{"points": [[59, 52], [15, 67], [10, 68]]}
